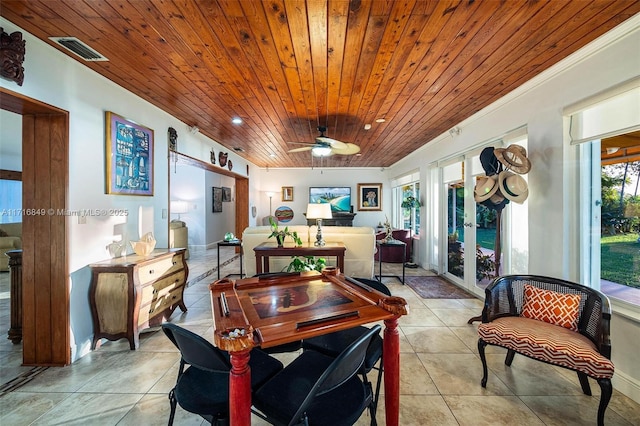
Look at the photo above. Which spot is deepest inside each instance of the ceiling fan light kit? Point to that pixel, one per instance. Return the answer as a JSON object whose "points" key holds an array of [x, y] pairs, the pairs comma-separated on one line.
{"points": [[321, 151], [325, 146]]}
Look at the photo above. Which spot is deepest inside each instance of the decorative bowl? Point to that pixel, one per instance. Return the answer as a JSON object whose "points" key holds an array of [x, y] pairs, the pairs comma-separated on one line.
{"points": [[143, 248]]}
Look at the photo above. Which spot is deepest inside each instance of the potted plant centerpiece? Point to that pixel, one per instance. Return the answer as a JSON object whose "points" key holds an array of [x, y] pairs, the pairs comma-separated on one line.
{"points": [[280, 234], [306, 263]]}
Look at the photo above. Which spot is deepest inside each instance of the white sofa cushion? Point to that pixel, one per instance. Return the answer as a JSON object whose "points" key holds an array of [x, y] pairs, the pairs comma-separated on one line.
{"points": [[361, 246]]}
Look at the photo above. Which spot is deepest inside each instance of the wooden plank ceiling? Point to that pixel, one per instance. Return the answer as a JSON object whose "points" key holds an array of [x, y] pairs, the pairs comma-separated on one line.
{"points": [[286, 67]]}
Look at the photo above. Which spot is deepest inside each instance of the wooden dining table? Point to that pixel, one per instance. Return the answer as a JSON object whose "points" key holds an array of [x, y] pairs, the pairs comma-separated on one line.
{"points": [[266, 250], [268, 311]]}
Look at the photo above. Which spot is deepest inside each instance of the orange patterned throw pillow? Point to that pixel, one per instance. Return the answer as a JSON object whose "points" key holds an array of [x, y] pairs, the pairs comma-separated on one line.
{"points": [[552, 307]]}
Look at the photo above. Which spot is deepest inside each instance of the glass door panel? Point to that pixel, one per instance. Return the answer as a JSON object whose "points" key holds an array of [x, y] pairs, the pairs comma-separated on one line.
{"points": [[455, 228]]}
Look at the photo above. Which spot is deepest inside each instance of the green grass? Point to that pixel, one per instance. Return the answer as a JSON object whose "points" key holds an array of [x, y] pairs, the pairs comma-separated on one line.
{"points": [[619, 255], [620, 259]]}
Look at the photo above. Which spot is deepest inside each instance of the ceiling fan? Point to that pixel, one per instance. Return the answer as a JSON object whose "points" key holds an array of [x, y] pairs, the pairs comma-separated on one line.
{"points": [[325, 146]]}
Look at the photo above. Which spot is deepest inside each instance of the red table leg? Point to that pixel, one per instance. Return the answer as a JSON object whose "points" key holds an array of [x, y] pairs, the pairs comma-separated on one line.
{"points": [[391, 361], [240, 389]]}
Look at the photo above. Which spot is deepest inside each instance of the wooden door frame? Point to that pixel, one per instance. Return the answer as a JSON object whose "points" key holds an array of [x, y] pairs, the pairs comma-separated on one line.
{"points": [[45, 185]]}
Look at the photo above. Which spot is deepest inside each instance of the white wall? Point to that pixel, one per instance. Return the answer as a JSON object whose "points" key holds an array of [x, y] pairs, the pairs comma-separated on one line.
{"points": [[58, 80], [10, 141], [272, 180], [193, 185], [538, 104]]}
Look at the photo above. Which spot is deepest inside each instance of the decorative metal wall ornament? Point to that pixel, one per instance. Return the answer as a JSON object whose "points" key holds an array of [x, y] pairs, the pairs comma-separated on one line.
{"points": [[173, 139], [213, 156], [230, 165], [12, 50], [222, 158]]}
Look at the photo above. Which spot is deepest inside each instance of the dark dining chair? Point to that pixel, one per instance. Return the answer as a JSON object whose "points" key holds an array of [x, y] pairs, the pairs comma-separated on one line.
{"points": [[203, 386], [317, 389], [333, 344]]}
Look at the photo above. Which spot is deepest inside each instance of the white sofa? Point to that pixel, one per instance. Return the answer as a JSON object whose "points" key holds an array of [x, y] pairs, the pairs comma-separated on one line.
{"points": [[359, 241], [11, 241]]}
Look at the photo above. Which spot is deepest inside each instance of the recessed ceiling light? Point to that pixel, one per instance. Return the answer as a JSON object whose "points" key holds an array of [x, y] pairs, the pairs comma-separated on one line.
{"points": [[367, 126], [272, 155], [236, 120], [380, 120]]}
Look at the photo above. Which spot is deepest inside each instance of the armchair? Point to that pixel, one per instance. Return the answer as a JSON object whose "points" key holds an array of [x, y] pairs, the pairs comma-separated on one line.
{"points": [[553, 321], [394, 254]]}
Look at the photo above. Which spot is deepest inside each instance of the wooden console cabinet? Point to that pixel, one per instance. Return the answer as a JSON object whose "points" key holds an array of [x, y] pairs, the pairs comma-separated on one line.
{"points": [[131, 293]]}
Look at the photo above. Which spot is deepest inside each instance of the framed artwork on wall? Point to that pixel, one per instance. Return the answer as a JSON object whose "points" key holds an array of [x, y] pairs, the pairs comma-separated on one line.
{"points": [[129, 157], [226, 194], [217, 200], [287, 193], [370, 196]]}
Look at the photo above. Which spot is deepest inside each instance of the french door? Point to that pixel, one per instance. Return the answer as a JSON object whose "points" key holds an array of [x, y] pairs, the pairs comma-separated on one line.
{"points": [[464, 248]]}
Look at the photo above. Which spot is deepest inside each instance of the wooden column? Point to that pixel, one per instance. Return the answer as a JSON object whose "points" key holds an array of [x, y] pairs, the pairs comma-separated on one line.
{"points": [[15, 266]]}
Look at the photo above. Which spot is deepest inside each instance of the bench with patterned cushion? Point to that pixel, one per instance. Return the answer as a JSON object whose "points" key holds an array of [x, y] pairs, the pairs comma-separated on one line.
{"points": [[550, 320]]}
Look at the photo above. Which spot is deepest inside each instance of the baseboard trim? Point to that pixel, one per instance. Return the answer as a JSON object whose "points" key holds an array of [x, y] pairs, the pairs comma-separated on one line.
{"points": [[626, 385]]}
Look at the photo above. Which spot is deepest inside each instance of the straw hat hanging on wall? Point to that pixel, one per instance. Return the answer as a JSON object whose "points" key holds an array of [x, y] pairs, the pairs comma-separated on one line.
{"points": [[514, 158], [513, 187]]}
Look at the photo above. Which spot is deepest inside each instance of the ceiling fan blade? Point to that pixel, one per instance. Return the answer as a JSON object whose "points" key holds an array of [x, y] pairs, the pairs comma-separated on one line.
{"points": [[301, 143], [333, 142], [349, 149], [305, 148]]}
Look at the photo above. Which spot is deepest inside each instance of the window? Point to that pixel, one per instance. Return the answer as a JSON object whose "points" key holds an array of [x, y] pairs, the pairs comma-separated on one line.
{"points": [[410, 217], [605, 130], [404, 217], [10, 201]]}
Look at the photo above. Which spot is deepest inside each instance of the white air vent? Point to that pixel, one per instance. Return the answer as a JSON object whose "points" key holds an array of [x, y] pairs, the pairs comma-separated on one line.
{"points": [[79, 48]]}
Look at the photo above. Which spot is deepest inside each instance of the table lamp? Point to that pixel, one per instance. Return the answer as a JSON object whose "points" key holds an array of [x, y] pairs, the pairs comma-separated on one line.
{"points": [[319, 212], [178, 207]]}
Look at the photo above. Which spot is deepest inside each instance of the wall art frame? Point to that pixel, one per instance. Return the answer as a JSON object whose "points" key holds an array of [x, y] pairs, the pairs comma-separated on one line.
{"points": [[226, 194], [129, 157], [287, 193], [217, 199], [370, 197]]}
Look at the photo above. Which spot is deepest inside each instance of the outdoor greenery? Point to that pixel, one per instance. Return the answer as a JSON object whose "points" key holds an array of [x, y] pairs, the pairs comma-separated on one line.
{"points": [[618, 255], [620, 227], [619, 242]]}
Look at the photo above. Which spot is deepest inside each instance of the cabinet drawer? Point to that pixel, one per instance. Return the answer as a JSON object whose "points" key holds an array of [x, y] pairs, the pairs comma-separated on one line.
{"points": [[161, 287], [155, 270], [158, 305]]}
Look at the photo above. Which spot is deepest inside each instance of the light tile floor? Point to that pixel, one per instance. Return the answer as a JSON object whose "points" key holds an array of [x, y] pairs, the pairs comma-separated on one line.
{"points": [[440, 372]]}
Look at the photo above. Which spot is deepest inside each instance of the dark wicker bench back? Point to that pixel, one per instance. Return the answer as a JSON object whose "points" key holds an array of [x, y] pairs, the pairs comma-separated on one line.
{"points": [[505, 297]]}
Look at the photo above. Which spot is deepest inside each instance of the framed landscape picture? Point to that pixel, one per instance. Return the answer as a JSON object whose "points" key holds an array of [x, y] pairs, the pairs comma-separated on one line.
{"points": [[129, 157], [370, 196]]}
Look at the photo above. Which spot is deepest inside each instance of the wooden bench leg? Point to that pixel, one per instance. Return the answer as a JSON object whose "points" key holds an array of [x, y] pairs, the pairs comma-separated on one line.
{"points": [[584, 382], [605, 396], [509, 359], [481, 345]]}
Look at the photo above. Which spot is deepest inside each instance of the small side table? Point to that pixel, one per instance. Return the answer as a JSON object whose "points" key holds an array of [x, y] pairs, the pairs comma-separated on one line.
{"points": [[232, 243], [394, 243]]}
